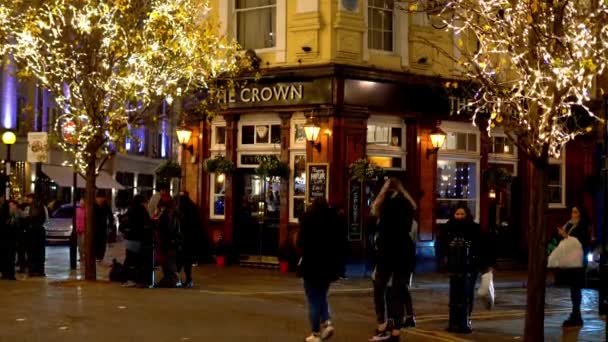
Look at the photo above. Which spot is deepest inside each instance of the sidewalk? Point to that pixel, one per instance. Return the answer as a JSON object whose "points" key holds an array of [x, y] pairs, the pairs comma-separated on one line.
{"points": [[247, 304]]}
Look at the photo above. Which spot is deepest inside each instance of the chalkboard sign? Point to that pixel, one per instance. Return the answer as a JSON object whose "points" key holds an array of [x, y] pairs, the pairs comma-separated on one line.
{"points": [[317, 181], [355, 207]]}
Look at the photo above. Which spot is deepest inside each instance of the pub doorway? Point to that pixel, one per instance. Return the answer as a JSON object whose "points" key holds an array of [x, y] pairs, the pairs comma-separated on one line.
{"points": [[256, 232]]}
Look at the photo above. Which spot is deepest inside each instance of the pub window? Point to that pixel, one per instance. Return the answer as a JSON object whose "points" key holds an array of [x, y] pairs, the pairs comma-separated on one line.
{"points": [[256, 23], [260, 134], [502, 145], [380, 24], [557, 182], [220, 135], [386, 142], [457, 184], [461, 142], [217, 187], [298, 179]]}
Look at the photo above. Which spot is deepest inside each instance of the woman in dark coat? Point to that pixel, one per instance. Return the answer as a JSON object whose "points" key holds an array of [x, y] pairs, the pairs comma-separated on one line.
{"points": [[134, 231], [8, 240], [394, 254], [462, 227], [190, 225], [320, 241], [579, 227], [170, 242]]}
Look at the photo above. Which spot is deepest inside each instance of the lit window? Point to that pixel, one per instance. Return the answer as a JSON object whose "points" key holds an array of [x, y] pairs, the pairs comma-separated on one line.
{"points": [[556, 182], [299, 186], [460, 141], [217, 195], [380, 24], [256, 23], [456, 185], [260, 134]]}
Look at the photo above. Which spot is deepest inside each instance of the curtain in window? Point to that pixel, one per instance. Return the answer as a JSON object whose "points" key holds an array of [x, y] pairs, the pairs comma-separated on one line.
{"points": [[256, 21]]}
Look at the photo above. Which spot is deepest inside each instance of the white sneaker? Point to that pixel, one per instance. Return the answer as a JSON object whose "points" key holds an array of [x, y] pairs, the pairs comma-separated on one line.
{"points": [[313, 338], [327, 331]]}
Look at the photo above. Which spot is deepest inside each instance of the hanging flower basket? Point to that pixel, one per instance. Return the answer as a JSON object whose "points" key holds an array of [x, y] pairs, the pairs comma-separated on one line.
{"points": [[363, 170], [271, 166], [169, 169], [219, 164]]}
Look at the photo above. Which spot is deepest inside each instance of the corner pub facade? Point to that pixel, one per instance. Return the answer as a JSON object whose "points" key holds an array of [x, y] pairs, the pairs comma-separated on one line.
{"points": [[384, 117]]}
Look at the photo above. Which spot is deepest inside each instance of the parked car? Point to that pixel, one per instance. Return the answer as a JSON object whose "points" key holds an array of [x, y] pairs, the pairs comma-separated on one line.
{"points": [[59, 225]]}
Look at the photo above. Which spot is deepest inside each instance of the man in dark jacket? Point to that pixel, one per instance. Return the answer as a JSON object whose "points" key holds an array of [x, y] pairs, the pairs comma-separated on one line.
{"points": [[35, 218], [8, 240], [103, 221]]}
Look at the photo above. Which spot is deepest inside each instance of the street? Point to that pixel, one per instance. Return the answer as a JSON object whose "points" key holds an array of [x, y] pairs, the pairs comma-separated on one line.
{"points": [[248, 304]]}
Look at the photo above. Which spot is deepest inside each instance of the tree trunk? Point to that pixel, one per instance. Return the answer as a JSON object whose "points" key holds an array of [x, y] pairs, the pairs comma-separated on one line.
{"points": [[90, 271], [537, 255]]}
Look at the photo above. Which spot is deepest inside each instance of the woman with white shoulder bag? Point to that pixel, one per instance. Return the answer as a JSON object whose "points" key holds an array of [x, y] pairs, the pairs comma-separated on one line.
{"points": [[569, 257]]}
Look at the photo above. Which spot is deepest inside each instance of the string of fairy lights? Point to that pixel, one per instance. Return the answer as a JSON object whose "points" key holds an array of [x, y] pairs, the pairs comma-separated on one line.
{"points": [[534, 61], [108, 62]]}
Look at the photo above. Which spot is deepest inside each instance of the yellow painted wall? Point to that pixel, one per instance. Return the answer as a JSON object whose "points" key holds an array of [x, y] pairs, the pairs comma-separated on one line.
{"points": [[337, 36]]}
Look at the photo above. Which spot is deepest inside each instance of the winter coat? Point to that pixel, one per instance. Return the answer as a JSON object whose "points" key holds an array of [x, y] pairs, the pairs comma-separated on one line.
{"points": [[320, 241], [394, 250], [134, 229], [470, 231], [582, 232], [103, 220], [81, 220], [169, 230]]}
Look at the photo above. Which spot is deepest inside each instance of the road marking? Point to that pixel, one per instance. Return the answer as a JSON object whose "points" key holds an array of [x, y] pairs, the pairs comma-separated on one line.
{"points": [[436, 335]]}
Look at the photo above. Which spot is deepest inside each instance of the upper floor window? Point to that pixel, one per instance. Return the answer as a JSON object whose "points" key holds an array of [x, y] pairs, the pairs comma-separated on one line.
{"points": [[256, 23], [380, 24], [502, 145], [260, 134], [461, 142], [557, 182]]}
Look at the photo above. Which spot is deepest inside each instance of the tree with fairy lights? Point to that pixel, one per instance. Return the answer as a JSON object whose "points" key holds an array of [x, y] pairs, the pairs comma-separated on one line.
{"points": [[533, 65], [108, 63]]}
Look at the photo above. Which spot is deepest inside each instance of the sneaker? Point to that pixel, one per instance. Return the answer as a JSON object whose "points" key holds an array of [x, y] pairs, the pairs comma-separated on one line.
{"points": [[129, 284], [381, 335], [409, 322], [327, 331], [313, 338], [573, 321]]}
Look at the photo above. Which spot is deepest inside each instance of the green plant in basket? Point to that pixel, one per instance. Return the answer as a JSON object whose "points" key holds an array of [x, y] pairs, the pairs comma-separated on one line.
{"points": [[219, 164]]}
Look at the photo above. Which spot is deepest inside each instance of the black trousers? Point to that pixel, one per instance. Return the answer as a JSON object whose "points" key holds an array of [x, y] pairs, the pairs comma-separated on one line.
{"points": [[186, 259], [575, 278], [389, 302], [7, 257], [36, 250], [101, 241], [22, 251]]}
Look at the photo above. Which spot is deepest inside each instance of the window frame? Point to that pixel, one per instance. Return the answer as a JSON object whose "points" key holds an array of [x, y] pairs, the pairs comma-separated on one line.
{"points": [[228, 26], [460, 127], [292, 175], [463, 159], [393, 28], [502, 156], [388, 151], [561, 161], [212, 197], [264, 148]]}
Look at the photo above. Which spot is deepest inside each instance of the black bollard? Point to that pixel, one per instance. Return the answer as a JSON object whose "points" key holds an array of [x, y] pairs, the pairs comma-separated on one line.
{"points": [[459, 266]]}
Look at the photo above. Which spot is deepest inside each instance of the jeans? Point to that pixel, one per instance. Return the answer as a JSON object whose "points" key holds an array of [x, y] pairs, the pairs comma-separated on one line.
{"points": [[318, 308], [576, 279], [393, 298]]}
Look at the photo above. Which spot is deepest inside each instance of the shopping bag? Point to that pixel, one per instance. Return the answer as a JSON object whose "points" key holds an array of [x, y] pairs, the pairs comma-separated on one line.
{"points": [[486, 289], [568, 254]]}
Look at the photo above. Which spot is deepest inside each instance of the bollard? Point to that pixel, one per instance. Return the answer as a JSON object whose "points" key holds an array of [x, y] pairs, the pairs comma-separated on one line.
{"points": [[459, 266]]}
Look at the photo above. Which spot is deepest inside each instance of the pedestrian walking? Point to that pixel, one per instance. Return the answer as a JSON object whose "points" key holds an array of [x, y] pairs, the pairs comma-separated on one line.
{"points": [[170, 241], [81, 227], [103, 221], [35, 218], [320, 242], [579, 227], [190, 228], [462, 230], [394, 255], [8, 240]]}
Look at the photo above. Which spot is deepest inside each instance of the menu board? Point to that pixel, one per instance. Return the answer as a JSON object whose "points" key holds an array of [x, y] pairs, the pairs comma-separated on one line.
{"points": [[355, 194], [317, 181]]}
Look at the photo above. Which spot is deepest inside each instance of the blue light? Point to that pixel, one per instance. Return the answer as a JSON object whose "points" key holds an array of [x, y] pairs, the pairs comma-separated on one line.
{"points": [[8, 85], [590, 257]]}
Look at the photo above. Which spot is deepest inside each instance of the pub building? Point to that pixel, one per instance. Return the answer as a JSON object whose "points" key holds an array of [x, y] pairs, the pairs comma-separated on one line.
{"points": [[390, 119]]}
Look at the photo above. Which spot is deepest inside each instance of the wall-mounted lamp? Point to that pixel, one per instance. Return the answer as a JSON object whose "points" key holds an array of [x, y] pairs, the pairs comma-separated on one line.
{"points": [[312, 129], [437, 139], [183, 137], [492, 194]]}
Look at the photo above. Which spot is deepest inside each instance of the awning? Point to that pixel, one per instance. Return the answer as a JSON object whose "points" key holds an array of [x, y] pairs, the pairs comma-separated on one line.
{"points": [[64, 176]]}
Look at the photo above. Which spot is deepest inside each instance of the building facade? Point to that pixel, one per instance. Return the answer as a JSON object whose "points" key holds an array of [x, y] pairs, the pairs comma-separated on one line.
{"points": [[362, 69]]}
